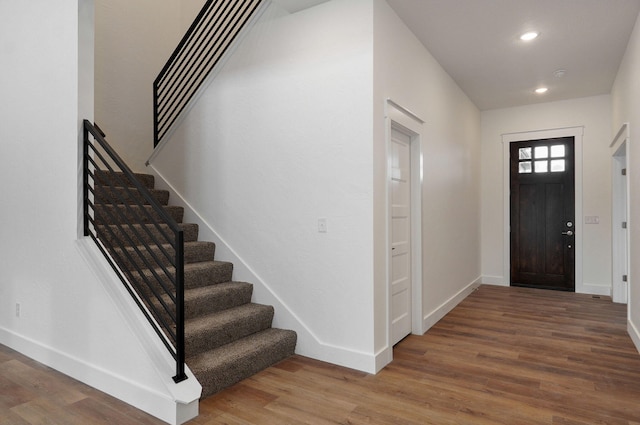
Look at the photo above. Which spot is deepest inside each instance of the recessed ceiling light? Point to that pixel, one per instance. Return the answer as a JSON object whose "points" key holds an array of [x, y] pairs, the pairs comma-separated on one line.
{"points": [[528, 36], [559, 73], [541, 90]]}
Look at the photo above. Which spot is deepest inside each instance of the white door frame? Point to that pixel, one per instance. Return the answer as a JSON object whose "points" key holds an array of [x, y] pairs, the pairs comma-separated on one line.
{"points": [[401, 249], [620, 202], [576, 133], [405, 121]]}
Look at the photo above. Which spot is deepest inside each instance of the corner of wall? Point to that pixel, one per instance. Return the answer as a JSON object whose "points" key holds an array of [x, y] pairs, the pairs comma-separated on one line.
{"points": [[434, 316], [634, 334]]}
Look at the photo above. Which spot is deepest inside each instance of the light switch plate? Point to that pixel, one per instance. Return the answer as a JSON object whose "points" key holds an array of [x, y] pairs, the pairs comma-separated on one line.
{"points": [[591, 219]]}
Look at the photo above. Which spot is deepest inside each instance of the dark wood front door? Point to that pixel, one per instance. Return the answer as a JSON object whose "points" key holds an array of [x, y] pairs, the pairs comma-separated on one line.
{"points": [[542, 214]]}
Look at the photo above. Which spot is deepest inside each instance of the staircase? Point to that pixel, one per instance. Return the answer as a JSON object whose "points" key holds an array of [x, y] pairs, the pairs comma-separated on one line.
{"points": [[227, 337]]}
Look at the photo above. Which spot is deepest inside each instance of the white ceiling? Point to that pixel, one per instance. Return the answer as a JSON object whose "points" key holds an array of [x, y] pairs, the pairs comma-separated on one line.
{"points": [[293, 6], [476, 42]]}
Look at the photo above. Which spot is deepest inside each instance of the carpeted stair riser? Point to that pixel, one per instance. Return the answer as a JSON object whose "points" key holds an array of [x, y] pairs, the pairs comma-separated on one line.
{"points": [[214, 330], [216, 298], [220, 368], [104, 178], [206, 273], [129, 195], [209, 299], [140, 236], [196, 275], [193, 252], [121, 214]]}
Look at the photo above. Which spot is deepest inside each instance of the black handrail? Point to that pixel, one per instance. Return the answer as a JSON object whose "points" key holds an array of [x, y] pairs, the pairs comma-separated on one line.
{"points": [[137, 242], [209, 37]]}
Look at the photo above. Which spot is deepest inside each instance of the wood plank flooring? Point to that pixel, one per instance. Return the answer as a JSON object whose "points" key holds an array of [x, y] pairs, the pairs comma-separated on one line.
{"points": [[503, 356], [511, 356], [31, 393]]}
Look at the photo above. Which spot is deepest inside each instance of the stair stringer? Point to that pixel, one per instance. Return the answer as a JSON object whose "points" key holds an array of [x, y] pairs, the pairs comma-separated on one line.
{"points": [[178, 403], [308, 343]]}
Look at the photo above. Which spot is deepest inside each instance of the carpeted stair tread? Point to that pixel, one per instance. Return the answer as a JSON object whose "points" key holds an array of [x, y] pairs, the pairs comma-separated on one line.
{"points": [[194, 252], [118, 178], [214, 330], [214, 298], [197, 251], [224, 366], [136, 235], [128, 195], [207, 273], [196, 275], [110, 214]]}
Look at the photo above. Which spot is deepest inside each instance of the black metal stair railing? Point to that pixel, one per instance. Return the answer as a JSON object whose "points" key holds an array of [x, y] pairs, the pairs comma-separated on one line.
{"points": [[206, 41], [143, 244]]}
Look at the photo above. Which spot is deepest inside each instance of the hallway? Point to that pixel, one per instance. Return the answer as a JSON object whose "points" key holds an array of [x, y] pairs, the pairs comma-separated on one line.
{"points": [[502, 356]]}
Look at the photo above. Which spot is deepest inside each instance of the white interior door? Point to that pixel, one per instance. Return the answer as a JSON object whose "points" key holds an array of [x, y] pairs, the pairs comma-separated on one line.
{"points": [[400, 235], [620, 226]]}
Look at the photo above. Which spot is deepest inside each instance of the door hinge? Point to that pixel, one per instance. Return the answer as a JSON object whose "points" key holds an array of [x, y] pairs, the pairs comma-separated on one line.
{"points": [[624, 277], [624, 224], [624, 171]]}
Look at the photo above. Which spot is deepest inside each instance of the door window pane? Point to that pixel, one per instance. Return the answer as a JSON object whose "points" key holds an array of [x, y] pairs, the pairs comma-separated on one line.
{"points": [[541, 152], [557, 165], [541, 166], [524, 167], [557, 151], [524, 153]]}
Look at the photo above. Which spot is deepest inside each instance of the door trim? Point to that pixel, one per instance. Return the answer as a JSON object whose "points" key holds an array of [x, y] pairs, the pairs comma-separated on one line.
{"points": [[620, 204], [576, 133], [409, 123]]}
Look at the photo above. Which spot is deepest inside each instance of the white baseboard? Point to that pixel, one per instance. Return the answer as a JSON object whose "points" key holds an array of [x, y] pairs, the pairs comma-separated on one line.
{"points": [[310, 346], [432, 318], [634, 334], [493, 280], [147, 399], [383, 358], [588, 288], [585, 288]]}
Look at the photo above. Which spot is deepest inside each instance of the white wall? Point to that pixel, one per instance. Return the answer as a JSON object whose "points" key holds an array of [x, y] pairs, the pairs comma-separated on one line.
{"points": [[594, 113], [67, 318], [407, 73], [134, 39], [626, 108], [293, 129], [281, 138], [188, 11]]}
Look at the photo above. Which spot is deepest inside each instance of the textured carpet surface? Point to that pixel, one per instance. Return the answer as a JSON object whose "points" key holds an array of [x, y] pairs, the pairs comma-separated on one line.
{"points": [[228, 338]]}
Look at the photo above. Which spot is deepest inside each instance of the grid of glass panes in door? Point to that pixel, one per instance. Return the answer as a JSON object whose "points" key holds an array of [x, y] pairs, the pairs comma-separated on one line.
{"points": [[542, 159]]}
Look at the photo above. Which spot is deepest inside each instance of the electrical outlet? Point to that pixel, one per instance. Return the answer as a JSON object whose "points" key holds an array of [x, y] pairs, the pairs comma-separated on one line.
{"points": [[322, 225], [17, 309]]}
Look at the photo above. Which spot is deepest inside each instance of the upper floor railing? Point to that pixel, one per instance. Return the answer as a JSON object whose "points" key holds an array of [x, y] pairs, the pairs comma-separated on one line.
{"points": [[200, 50]]}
